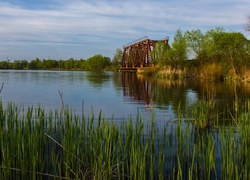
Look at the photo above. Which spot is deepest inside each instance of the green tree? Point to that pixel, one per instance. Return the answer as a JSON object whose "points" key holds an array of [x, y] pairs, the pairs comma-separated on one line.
{"points": [[97, 63], [158, 54], [61, 64], [49, 64], [35, 64], [16, 64], [177, 54], [4, 65], [117, 59], [69, 64], [195, 44], [234, 49], [210, 50], [24, 64], [82, 64]]}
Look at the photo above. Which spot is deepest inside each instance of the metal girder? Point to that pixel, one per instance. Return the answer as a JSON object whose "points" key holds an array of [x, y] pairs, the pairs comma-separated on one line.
{"points": [[137, 53]]}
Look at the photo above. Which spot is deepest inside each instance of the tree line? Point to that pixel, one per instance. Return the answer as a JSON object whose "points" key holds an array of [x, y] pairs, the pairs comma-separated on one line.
{"points": [[95, 63]]}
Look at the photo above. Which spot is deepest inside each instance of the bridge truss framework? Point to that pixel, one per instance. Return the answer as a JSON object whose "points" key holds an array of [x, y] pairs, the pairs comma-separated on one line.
{"points": [[138, 53]]}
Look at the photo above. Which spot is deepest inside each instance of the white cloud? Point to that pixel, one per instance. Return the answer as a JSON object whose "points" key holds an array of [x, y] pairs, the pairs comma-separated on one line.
{"points": [[82, 23]]}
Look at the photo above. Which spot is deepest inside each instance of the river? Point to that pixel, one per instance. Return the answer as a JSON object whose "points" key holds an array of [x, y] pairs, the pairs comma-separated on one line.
{"points": [[118, 95]]}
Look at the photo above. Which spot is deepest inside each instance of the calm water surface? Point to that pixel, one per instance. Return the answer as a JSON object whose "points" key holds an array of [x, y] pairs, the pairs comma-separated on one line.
{"points": [[122, 95], [118, 95]]}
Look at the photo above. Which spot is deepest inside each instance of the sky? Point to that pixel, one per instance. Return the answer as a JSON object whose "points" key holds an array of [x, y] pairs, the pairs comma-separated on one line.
{"points": [[63, 29]]}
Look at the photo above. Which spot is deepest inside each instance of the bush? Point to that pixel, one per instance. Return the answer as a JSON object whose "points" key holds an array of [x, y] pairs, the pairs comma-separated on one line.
{"points": [[97, 63]]}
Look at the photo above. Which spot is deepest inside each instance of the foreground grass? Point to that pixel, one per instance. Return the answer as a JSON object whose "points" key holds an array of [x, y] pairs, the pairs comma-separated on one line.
{"points": [[39, 145]]}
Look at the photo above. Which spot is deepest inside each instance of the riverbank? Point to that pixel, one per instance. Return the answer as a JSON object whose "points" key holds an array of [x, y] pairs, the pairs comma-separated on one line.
{"points": [[212, 72]]}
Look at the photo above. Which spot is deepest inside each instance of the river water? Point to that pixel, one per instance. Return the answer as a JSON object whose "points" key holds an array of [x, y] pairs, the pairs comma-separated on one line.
{"points": [[118, 95]]}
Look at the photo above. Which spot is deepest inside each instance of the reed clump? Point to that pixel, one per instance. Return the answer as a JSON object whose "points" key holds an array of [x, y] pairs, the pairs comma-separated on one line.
{"points": [[212, 71], [49, 145], [171, 73]]}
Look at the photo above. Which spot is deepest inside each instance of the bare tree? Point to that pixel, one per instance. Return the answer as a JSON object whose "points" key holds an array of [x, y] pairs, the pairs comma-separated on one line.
{"points": [[247, 27]]}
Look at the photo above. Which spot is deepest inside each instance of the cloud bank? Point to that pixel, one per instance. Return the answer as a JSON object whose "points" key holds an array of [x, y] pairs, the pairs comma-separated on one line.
{"points": [[62, 29]]}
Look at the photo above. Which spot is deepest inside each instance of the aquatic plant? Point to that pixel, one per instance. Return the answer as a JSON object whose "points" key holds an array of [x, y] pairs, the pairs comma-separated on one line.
{"points": [[35, 144]]}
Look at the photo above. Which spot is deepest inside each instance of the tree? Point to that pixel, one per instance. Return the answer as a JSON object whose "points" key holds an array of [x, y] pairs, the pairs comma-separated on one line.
{"points": [[82, 63], [79, 64], [24, 64], [158, 54], [35, 64], [117, 59], [49, 64], [177, 54], [235, 49], [211, 52], [195, 40], [97, 63], [16, 64], [69, 64], [4, 65], [247, 27]]}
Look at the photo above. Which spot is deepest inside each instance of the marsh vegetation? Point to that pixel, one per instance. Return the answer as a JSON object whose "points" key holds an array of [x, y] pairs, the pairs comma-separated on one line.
{"points": [[61, 145]]}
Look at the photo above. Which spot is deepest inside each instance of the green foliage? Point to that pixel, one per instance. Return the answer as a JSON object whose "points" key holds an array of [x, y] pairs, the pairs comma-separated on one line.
{"points": [[195, 40], [229, 50], [69, 64], [36, 144], [158, 54], [80, 64], [97, 63], [117, 56], [177, 54], [117, 59], [49, 64], [4, 65], [236, 51], [35, 64]]}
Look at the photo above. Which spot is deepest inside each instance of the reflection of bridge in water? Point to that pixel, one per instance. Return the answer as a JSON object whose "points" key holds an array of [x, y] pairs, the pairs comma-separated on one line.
{"points": [[139, 90], [137, 54]]}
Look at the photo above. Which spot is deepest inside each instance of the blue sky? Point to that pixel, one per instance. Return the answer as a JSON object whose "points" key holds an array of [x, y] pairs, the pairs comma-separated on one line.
{"points": [[61, 29]]}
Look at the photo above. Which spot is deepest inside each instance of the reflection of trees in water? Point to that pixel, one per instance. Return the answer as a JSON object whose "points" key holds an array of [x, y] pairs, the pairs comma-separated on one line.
{"points": [[98, 78], [172, 93], [229, 100], [116, 79]]}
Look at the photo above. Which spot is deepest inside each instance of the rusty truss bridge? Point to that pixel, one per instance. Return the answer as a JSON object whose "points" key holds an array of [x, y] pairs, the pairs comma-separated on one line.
{"points": [[136, 54]]}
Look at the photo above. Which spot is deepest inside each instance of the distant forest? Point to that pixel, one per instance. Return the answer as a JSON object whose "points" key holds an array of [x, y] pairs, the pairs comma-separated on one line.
{"points": [[95, 63]]}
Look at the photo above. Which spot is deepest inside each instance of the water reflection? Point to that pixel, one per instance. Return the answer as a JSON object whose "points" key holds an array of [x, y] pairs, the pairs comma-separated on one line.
{"points": [[136, 88], [183, 95], [98, 78], [122, 94]]}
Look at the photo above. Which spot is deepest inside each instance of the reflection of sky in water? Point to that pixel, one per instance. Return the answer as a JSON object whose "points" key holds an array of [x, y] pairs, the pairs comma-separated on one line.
{"points": [[89, 91], [191, 97], [80, 91]]}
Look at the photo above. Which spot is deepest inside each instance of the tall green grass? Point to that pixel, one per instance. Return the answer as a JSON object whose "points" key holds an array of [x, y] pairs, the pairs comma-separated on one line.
{"points": [[51, 145]]}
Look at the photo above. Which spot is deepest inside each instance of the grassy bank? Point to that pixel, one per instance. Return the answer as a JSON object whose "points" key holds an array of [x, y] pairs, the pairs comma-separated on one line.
{"points": [[50, 145], [210, 71]]}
